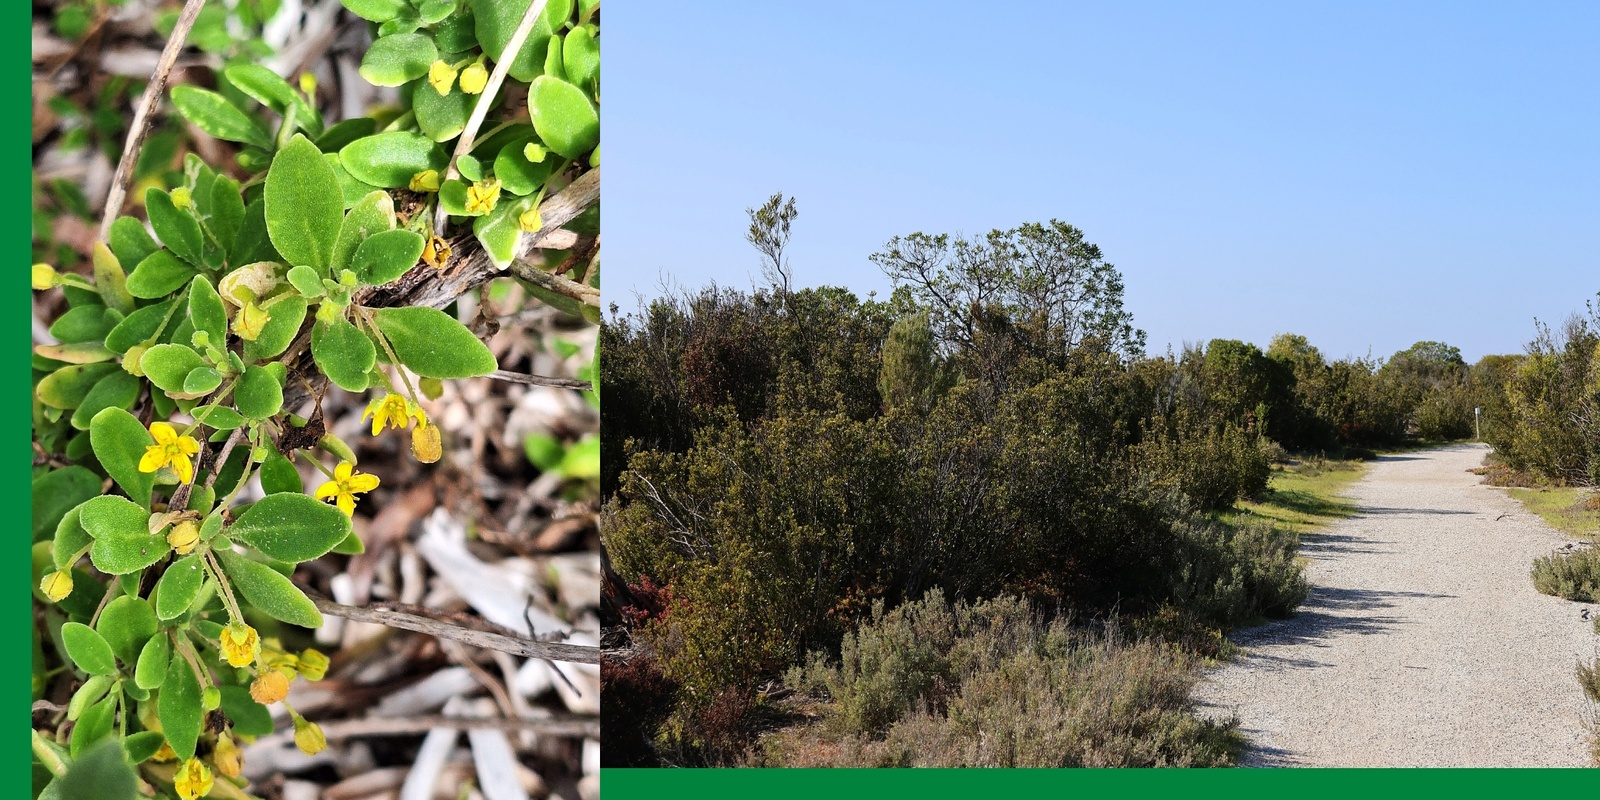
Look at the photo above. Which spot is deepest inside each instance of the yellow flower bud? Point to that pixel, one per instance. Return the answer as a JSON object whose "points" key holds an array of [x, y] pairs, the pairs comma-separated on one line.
{"points": [[529, 221], [57, 585], [482, 195], [193, 780], [534, 152], [45, 277], [441, 76], [226, 755], [426, 443], [313, 664], [269, 687], [474, 78], [240, 644], [425, 181], [184, 536], [436, 252], [308, 736], [308, 83], [249, 321], [182, 197], [211, 698]]}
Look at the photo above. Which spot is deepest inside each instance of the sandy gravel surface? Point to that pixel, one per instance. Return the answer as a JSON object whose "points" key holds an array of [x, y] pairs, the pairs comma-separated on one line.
{"points": [[1423, 642]]}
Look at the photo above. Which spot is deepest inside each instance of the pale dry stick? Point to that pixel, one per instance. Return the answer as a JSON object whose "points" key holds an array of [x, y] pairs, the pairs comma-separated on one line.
{"points": [[516, 645], [588, 295], [141, 116], [480, 110], [333, 730], [540, 380]]}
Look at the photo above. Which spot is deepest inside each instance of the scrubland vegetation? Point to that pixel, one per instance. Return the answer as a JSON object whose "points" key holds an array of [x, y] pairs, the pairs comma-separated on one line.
{"points": [[973, 523]]}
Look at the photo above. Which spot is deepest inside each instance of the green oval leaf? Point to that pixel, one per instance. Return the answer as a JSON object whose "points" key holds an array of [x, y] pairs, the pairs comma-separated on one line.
{"points": [[126, 624], [517, 174], [83, 324], [166, 365], [580, 55], [371, 215], [442, 117], [212, 113], [178, 231], [70, 539], [269, 591], [66, 387], [201, 381], [58, 492], [343, 353], [158, 275], [395, 60], [117, 390], [285, 315], [386, 256], [207, 311], [178, 706], [304, 208], [258, 394], [93, 727], [432, 344], [119, 442], [497, 20], [88, 650], [178, 586], [122, 539], [391, 159], [151, 668], [140, 746], [376, 11], [291, 527], [98, 772], [563, 116], [249, 717], [217, 417], [279, 475], [140, 326]]}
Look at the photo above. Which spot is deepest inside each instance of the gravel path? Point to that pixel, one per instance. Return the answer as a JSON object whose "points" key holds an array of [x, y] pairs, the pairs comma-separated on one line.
{"points": [[1423, 642]]}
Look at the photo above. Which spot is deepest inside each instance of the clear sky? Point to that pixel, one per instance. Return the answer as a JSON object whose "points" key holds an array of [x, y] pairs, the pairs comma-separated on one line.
{"points": [[1366, 174]]}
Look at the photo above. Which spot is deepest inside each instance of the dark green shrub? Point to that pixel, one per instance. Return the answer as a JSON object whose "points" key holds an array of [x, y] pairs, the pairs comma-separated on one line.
{"points": [[1574, 575], [1237, 573]]}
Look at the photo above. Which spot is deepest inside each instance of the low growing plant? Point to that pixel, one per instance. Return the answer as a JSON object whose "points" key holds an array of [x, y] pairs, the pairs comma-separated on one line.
{"points": [[182, 357]]}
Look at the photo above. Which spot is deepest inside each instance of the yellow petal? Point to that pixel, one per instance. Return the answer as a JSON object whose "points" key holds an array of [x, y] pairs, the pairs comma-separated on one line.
{"points": [[362, 482], [347, 504], [342, 472], [155, 457], [163, 433], [327, 490], [188, 445], [183, 466]]}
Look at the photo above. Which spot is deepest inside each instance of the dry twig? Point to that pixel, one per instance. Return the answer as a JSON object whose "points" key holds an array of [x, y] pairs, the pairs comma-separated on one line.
{"points": [[516, 645]]}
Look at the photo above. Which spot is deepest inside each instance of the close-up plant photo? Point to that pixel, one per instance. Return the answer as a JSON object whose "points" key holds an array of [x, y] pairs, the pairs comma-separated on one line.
{"points": [[315, 455]]}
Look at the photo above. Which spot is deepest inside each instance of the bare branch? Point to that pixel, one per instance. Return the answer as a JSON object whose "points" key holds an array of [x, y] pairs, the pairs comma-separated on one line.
{"points": [[516, 645], [141, 117], [540, 380]]}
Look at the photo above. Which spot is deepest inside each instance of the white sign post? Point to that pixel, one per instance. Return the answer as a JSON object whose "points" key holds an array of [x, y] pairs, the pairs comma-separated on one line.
{"points": [[1477, 429]]}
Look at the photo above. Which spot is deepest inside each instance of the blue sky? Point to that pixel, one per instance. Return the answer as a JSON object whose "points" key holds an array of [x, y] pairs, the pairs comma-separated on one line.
{"points": [[1368, 175]]}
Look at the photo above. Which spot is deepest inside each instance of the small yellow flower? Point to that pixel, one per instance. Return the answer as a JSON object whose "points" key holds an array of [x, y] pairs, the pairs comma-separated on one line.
{"points": [[425, 181], [170, 448], [182, 197], [226, 755], [474, 78], [193, 780], [249, 320], [45, 277], [436, 252], [240, 644], [394, 411], [57, 585], [313, 664], [482, 195], [308, 83], [308, 736], [184, 536], [530, 221], [344, 487], [441, 76], [426, 444], [269, 687]]}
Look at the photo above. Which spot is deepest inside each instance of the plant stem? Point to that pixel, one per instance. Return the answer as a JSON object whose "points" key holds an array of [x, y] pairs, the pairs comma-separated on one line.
{"points": [[480, 110]]}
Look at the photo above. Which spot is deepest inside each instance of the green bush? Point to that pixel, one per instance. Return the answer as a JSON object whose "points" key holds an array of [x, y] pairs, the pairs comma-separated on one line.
{"points": [[1020, 693], [1240, 573], [1574, 576]]}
